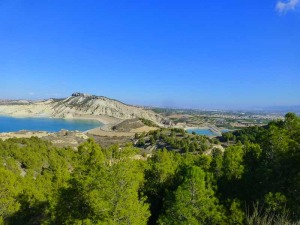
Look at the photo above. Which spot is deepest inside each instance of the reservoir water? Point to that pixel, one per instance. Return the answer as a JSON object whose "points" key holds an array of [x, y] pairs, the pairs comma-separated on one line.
{"points": [[206, 132], [12, 124], [225, 130]]}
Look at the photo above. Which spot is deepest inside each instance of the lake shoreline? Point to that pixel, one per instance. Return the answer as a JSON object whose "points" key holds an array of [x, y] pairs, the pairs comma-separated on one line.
{"points": [[100, 118], [44, 123], [24, 134], [205, 130]]}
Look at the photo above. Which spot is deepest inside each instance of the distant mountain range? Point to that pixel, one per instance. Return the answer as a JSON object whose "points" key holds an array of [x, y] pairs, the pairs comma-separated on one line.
{"points": [[281, 109]]}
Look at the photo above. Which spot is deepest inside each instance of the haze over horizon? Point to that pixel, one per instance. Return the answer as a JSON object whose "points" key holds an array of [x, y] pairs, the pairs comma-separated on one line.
{"points": [[172, 54]]}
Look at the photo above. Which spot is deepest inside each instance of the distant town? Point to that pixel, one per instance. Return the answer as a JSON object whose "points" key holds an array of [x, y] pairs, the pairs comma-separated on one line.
{"points": [[220, 119]]}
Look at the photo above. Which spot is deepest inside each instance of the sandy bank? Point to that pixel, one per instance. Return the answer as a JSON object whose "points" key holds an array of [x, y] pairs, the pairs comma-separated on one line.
{"points": [[23, 134], [109, 133], [100, 132], [101, 118]]}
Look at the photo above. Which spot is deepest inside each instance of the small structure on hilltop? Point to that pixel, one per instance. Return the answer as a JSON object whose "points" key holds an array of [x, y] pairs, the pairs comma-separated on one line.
{"points": [[77, 94]]}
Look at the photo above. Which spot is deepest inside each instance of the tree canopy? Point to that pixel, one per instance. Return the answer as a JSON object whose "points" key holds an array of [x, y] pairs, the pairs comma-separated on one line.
{"points": [[256, 178]]}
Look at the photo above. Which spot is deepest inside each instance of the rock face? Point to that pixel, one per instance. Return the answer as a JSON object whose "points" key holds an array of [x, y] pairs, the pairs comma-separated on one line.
{"points": [[78, 105]]}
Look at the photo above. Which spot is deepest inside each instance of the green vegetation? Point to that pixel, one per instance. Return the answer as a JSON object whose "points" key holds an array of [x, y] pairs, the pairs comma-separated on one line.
{"points": [[174, 139], [254, 181], [41, 184], [148, 122]]}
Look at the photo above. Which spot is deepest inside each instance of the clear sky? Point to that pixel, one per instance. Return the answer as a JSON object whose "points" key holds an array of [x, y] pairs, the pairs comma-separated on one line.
{"points": [[201, 54]]}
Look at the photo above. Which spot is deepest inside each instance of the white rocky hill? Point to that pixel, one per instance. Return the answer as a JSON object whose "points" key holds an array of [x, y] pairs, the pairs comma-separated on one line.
{"points": [[78, 105]]}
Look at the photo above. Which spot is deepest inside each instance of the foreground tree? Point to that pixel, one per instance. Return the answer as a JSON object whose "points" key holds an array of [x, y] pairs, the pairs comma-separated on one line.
{"points": [[106, 192], [8, 193], [193, 202]]}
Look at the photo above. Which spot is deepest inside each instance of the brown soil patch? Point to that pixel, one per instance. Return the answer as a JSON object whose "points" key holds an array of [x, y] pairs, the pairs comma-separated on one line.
{"points": [[144, 129]]}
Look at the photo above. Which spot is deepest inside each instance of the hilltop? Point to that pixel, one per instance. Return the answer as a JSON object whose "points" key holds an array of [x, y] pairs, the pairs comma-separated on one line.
{"points": [[79, 105]]}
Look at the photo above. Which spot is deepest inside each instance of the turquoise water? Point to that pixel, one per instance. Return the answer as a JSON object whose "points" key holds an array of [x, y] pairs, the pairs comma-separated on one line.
{"points": [[225, 130], [12, 124], [205, 132]]}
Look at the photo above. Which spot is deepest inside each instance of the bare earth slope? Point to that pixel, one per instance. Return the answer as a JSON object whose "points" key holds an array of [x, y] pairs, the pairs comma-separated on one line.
{"points": [[77, 106]]}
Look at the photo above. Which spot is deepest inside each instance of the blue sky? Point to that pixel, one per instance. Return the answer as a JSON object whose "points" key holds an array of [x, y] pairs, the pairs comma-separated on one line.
{"points": [[200, 54]]}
